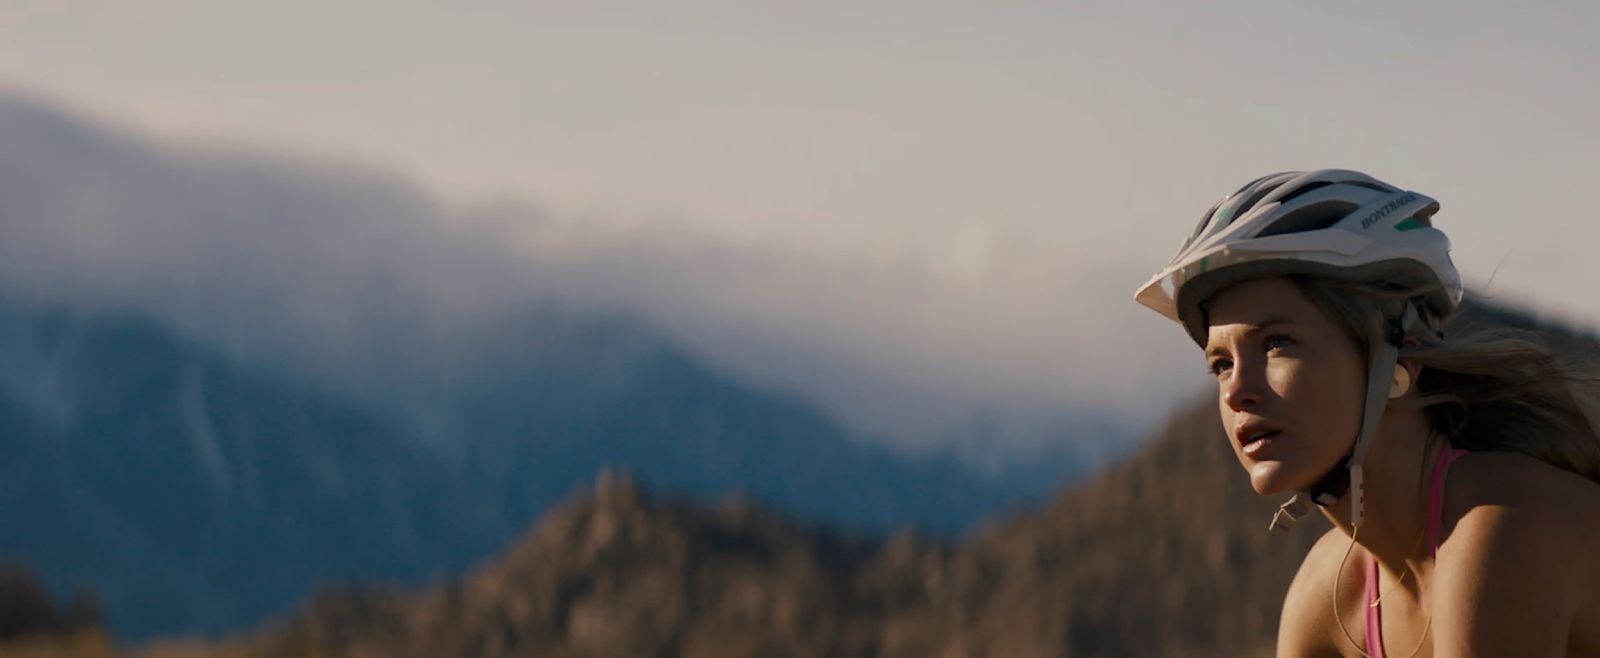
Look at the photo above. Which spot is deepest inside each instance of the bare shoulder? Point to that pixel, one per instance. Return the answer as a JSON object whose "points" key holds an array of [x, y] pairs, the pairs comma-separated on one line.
{"points": [[1307, 626], [1514, 567], [1512, 492], [1505, 501]]}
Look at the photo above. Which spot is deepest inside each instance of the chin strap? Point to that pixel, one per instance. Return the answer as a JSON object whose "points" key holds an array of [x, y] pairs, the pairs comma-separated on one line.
{"points": [[1347, 475]]}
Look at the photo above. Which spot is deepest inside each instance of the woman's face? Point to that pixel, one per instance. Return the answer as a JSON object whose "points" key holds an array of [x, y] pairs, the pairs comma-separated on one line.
{"points": [[1290, 383]]}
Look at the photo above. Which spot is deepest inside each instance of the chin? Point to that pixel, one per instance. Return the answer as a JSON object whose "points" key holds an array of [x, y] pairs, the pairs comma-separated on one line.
{"points": [[1270, 478]]}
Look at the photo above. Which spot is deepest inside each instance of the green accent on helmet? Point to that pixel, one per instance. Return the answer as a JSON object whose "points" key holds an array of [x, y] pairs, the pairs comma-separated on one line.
{"points": [[1408, 224], [1205, 264]]}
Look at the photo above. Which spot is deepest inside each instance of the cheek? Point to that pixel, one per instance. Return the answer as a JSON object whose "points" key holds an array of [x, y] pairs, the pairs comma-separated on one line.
{"points": [[1298, 380], [1290, 379], [1325, 395]]}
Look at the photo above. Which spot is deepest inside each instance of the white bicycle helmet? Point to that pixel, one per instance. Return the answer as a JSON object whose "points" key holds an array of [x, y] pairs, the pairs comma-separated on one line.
{"points": [[1332, 223]]}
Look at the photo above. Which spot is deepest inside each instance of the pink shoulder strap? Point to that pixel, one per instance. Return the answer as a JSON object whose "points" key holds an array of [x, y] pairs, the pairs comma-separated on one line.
{"points": [[1374, 612], [1441, 467]]}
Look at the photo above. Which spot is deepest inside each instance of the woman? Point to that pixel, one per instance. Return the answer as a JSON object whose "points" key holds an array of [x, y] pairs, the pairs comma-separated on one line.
{"points": [[1461, 473]]}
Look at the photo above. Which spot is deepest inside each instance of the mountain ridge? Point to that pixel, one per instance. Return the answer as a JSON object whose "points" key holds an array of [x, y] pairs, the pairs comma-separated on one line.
{"points": [[229, 488], [617, 571]]}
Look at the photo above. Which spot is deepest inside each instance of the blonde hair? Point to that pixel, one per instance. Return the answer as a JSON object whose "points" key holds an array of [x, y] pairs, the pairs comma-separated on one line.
{"points": [[1485, 388]]}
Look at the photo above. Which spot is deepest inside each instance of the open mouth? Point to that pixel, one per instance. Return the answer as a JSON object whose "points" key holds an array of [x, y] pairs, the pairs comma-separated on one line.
{"points": [[1265, 434], [1255, 444]]}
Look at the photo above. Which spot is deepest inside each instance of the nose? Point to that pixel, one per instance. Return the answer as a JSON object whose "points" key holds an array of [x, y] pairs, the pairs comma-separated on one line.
{"points": [[1242, 388]]}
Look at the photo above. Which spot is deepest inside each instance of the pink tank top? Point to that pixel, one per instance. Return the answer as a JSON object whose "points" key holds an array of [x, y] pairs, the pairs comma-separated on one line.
{"points": [[1441, 467]]}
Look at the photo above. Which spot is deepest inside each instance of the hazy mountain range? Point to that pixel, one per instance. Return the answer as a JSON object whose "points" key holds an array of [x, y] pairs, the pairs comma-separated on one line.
{"points": [[195, 493]]}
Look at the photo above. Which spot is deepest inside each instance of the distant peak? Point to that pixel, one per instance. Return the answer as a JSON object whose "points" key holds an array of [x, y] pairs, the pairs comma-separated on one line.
{"points": [[616, 489]]}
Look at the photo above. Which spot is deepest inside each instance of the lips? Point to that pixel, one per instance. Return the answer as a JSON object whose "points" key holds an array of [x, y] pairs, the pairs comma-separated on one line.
{"points": [[1253, 432]]}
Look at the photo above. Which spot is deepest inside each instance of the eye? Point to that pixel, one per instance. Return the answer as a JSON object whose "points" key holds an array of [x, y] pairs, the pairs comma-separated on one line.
{"points": [[1277, 341], [1218, 366]]}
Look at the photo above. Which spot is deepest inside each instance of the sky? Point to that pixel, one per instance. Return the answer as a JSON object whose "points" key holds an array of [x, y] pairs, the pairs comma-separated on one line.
{"points": [[923, 216]]}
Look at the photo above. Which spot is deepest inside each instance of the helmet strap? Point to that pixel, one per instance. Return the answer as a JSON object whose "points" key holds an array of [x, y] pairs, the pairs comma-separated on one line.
{"points": [[1346, 476]]}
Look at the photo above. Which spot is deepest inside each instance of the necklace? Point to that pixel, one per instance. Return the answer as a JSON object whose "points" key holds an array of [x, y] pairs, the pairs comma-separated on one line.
{"points": [[1397, 581], [1428, 625], [1354, 531]]}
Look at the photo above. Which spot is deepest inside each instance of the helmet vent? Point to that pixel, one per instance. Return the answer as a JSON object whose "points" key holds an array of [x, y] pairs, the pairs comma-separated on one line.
{"points": [[1308, 187], [1314, 217], [1250, 203]]}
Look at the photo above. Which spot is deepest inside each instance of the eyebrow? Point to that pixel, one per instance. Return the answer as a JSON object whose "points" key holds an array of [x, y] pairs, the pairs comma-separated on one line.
{"points": [[1265, 323]]}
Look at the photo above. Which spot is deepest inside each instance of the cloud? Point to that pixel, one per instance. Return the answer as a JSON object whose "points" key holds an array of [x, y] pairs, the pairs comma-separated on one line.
{"points": [[339, 269], [262, 255], [986, 328]]}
